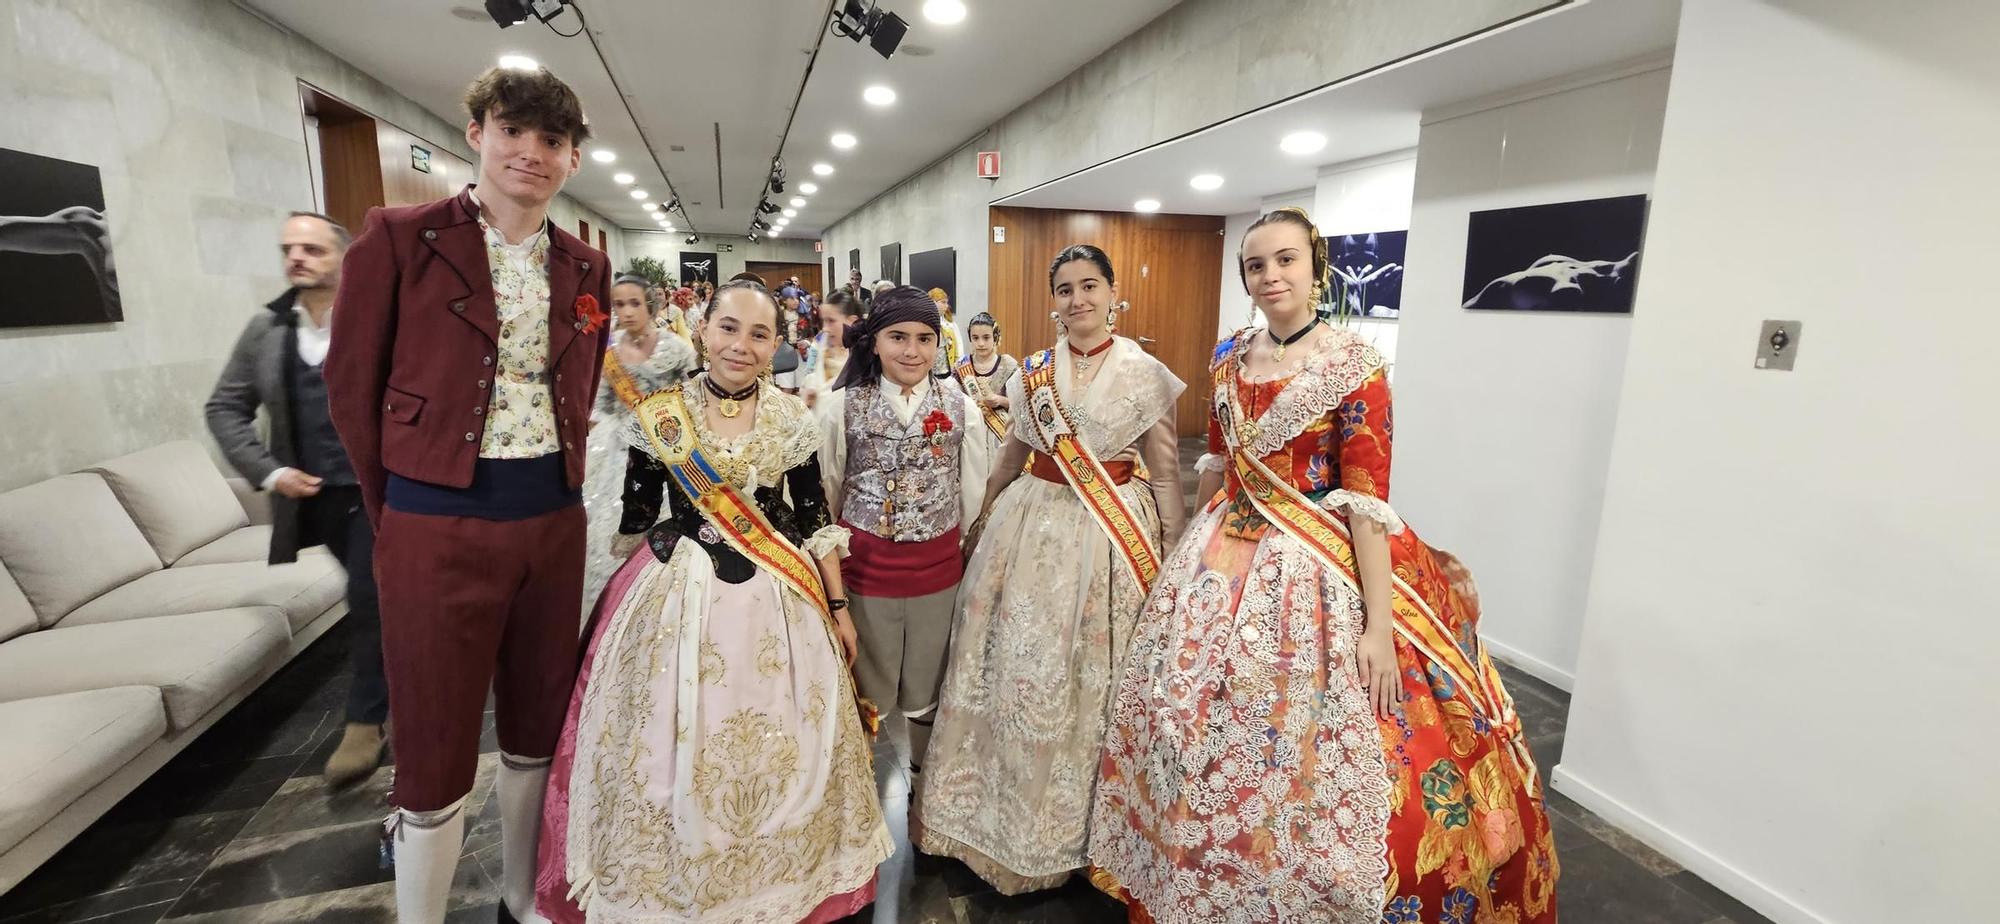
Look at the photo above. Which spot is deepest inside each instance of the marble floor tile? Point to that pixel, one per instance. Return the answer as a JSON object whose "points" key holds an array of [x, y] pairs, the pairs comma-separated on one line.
{"points": [[473, 898], [109, 857], [1610, 835], [262, 870], [1599, 885], [1735, 911], [188, 789], [131, 903]]}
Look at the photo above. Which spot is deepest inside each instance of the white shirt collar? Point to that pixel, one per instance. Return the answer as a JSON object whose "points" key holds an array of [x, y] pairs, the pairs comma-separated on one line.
{"points": [[472, 192]]}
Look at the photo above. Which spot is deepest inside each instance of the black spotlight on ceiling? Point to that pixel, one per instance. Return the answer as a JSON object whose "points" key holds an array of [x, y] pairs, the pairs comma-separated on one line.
{"points": [[673, 204], [777, 177], [514, 12], [760, 224], [766, 207], [752, 236], [694, 238], [857, 20]]}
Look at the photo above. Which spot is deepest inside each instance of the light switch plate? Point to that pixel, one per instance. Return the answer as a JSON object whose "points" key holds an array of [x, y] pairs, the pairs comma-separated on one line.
{"points": [[1778, 344]]}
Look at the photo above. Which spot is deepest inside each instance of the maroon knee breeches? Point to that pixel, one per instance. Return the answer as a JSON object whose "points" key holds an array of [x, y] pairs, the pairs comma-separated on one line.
{"points": [[469, 604]]}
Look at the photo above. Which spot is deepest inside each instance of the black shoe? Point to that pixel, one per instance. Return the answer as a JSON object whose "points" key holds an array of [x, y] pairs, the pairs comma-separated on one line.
{"points": [[507, 917]]}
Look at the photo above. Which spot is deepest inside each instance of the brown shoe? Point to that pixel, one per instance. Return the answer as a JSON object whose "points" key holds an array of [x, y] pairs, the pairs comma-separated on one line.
{"points": [[360, 752]]}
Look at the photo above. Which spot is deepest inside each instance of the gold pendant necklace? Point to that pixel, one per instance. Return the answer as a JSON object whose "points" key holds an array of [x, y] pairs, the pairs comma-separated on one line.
{"points": [[1288, 341], [728, 403]]}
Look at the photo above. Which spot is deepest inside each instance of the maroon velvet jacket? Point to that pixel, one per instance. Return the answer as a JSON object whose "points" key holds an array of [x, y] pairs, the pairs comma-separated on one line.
{"points": [[409, 373]]}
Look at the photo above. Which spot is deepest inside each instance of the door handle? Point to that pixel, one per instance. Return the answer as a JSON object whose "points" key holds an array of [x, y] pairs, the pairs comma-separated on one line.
{"points": [[1147, 340]]}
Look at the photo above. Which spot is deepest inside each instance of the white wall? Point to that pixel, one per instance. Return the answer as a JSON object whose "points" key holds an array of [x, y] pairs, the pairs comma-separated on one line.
{"points": [[1787, 674], [667, 247], [1504, 420]]}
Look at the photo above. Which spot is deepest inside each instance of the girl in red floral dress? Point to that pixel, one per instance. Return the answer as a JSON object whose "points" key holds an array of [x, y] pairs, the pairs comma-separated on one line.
{"points": [[1308, 728]]}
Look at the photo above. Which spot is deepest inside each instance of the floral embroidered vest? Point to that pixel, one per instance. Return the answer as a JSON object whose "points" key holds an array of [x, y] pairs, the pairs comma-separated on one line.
{"points": [[902, 484]]}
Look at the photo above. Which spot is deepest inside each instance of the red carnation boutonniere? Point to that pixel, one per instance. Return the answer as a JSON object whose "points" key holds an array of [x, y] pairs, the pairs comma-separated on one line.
{"points": [[587, 311], [936, 425]]}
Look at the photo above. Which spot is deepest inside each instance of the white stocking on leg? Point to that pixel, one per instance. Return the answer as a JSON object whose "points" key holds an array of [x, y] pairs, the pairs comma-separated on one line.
{"points": [[426, 848], [519, 789]]}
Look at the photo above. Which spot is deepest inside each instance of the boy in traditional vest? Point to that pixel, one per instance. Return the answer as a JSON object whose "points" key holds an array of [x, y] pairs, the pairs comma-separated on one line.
{"points": [[901, 474]]}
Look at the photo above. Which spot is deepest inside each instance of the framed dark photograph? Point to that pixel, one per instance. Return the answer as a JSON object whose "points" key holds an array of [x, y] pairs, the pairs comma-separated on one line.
{"points": [[1567, 256], [55, 244], [1368, 273], [937, 269], [892, 263], [697, 266], [854, 263]]}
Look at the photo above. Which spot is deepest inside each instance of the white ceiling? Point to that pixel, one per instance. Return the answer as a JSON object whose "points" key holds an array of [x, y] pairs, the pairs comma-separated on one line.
{"points": [[689, 66], [1374, 114]]}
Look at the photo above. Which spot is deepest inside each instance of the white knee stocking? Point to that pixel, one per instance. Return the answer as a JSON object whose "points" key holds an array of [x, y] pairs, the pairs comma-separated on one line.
{"points": [[519, 788], [426, 848]]}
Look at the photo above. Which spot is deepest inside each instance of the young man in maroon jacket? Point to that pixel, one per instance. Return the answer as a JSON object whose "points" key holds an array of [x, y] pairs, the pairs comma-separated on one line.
{"points": [[472, 331]]}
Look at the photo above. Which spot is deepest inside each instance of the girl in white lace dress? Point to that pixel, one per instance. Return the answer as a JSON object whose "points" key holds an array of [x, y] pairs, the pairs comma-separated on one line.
{"points": [[1049, 599], [645, 356]]}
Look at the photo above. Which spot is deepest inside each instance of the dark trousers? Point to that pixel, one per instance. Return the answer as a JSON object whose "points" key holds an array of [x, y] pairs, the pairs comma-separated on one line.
{"points": [[335, 518], [472, 604]]}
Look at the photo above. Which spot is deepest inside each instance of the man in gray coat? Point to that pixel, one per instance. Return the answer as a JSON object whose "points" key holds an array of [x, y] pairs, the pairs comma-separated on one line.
{"points": [[316, 499]]}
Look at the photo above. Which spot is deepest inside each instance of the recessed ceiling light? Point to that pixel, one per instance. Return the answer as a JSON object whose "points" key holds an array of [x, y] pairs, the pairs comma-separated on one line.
{"points": [[783, 222], [638, 194], [518, 63], [944, 12], [622, 179], [797, 203], [603, 156], [822, 169], [774, 232], [808, 188], [843, 140], [790, 213], [1146, 205], [879, 95], [1303, 143], [652, 207], [1206, 182]]}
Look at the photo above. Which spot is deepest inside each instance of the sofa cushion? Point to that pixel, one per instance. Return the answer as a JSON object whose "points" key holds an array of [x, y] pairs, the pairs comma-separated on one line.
{"points": [[16, 615], [304, 589], [196, 659], [251, 543], [58, 747], [67, 540], [176, 495]]}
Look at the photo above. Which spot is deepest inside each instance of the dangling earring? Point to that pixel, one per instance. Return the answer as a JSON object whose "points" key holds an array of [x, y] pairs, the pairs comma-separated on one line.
{"points": [[1111, 320], [1062, 330]]}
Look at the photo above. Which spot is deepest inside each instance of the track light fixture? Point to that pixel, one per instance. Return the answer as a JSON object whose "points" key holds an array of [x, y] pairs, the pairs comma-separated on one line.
{"points": [[513, 12], [673, 204], [857, 20], [752, 236], [760, 224], [694, 239], [766, 207], [777, 177]]}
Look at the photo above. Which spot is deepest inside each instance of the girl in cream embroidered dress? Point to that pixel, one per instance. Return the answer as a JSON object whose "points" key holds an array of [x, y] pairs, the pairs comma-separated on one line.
{"points": [[1247, 778], [713, 767], [1045, 615]]}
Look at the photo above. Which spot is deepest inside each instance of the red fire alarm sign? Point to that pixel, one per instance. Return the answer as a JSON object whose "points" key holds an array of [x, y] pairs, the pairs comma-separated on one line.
{"points": [[989, 165]]}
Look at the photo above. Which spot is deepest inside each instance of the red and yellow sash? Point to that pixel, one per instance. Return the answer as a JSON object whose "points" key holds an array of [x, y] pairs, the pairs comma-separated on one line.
{"points": [[996, 420], [1328, 539], [1085, 474], [622, 383]]}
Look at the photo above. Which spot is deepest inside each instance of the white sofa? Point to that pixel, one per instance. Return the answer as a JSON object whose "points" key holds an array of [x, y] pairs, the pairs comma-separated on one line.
{"points": [[136, 608]]}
